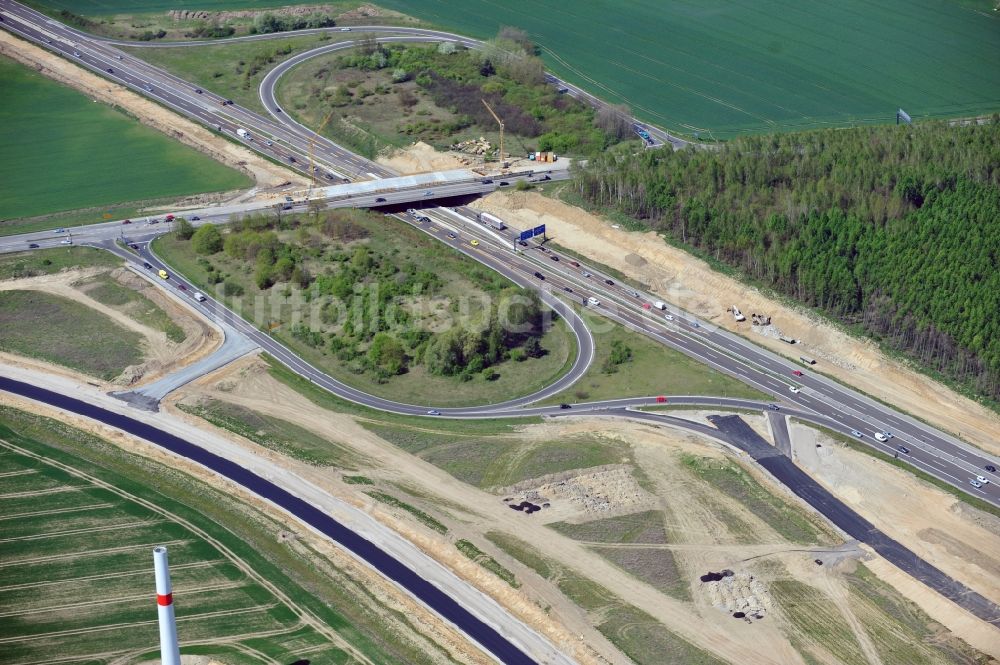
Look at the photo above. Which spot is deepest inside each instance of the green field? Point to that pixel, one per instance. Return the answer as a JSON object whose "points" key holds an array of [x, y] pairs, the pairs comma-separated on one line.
{"points": [[240, 593], [110, 7], [58, 330], [107, 290], [726, 68], [61, 151]]}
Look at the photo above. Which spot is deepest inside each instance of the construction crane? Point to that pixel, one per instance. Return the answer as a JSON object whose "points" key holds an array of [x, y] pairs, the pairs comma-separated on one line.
{"points": [[503, 164], [312, 149]]}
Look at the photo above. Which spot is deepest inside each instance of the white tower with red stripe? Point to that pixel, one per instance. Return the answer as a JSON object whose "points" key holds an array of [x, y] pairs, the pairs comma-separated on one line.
{"points": [[170, 653]]}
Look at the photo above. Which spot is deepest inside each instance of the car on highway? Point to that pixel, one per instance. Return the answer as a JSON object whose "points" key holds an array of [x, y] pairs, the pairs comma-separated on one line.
{"points": [[668, 317], [227, 102], [433, 412], [268, 142], [119, 57], [903, 449], [634, 294], [60, 230], [646, 305], [695, 324], [126, 221], [67, 241], [567, 289], [134, 246], [593, 302], [198, 90], [609, 282], [474, 242], [990, 468], [345, 29], [195, 218], [539, 275], [975, 483], [154, 221], [380, 199], [574, 264], [880, 437], [793, 389], [182, 287], [772, 407], [76, 53], [487, 181], [452, 235], [887, 434], [291, 159], [428, 193], [277, 110], [163, 274], [147, 265], [565, 406], [983, 479], [48, 41], [857, 434], [554, 257], [109, 70], [796, 372], [32, 245], [148, 87]]}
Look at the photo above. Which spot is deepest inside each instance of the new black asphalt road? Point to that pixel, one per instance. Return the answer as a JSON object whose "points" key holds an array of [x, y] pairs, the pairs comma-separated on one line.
{"points": [[484, 635]]}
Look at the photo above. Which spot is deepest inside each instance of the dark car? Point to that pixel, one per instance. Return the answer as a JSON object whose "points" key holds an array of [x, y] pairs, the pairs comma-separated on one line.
{"points": [[904, 450], [33, 245], [564, 406], [110, 71], [772, 407], [539, 275], [380, 200], [147, 265], [609, 282], [195, 218], [504, 183], [227, 102], [198, 90], [291, 159], [134, 246], [567, 289], [574, 264], [182, 287], [554, 257], [988, 467], [127, 221], [522, 243]]}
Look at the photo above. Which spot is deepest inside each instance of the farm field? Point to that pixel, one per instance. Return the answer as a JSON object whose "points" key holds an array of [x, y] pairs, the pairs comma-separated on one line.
{"points": [[722, 68], [76, 573], [61, 151]]}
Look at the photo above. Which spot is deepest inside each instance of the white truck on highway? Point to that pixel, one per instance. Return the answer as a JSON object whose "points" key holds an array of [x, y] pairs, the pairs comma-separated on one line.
{"points": [[242, 133], [495, 222]]}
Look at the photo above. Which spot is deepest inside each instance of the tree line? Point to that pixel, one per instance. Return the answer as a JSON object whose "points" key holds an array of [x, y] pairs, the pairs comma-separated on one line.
{"points": [[893, 230]]}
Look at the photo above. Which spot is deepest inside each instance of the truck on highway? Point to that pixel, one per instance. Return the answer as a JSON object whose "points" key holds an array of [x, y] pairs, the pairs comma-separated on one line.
{"points": [[495, 222], [242, 133], [659, 304]]}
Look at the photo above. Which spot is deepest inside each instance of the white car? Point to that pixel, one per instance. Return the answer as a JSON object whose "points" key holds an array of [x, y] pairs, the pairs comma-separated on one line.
{"points": [[67, 241], [345, 29], [793, 389], [975, 483], [887, 434], [668, 317], [879, 436], [983, 479], [433, 412], [593, 302], [857, 433]]}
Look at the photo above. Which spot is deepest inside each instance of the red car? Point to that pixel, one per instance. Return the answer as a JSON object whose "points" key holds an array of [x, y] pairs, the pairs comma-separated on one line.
{"points": [[574, 264], [646, 305], [169, 218], [796, 372], [660, 399], [127, 221]]}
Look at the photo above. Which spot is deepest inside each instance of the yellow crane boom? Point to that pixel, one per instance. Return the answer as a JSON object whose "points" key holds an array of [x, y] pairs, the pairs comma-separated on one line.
{"points": [[312, 147], [503, 164]]}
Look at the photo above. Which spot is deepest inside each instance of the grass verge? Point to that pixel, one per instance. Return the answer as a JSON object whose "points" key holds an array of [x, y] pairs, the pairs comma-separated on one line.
{"points": [[58, 330], [421, 516], [486, 561], [50, 261], [106, 290]]}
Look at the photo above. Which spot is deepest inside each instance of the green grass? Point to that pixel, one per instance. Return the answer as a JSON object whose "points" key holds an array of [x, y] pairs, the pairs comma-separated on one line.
{"points": [[367, 415], [654, 370], [58, 330], [813, 614], [421, 516], [470, 550], [729, 479], [49, 261], [499, 461], [645, 527], [105, 289], [217, 67], [641, 637], [275, 434], [94, 154], [209, 534], [109, 7], [464, 282], [725, 68]]}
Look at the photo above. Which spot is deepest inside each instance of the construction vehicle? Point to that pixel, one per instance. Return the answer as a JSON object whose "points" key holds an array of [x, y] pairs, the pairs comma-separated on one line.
{"points": [[737, 314], [500, 156]]}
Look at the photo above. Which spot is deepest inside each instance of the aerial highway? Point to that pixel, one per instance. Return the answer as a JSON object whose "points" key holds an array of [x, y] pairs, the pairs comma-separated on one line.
{"points": [[566, 283]]}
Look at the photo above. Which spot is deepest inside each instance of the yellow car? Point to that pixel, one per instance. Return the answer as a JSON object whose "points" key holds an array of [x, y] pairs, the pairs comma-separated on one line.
{"points": [[474, 242], [164, 275]]}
